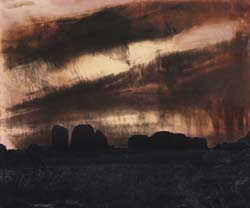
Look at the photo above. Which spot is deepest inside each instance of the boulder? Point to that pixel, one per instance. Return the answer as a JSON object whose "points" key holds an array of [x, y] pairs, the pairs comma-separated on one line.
{"points": [[101, 140], [232, 147], [248, 135], [168, 140], [60, 138], [245, 139], [197, 143], [139, 143], [83, 139], [3, 155], [3, 149]]}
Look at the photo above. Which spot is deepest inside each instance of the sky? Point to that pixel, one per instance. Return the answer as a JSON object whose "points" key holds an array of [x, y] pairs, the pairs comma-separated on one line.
{"points": [[21, 11], [18, 11], [17, 84]]}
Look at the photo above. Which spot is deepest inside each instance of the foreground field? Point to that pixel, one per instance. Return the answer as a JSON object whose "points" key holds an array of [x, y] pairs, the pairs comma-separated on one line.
{"points": [[179, 179]]}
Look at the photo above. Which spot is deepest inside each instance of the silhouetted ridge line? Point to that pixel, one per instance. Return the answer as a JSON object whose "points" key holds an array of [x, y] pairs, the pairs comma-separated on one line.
{"points": [[90, 143], [60, 138], [85, 139], [166, 141]]}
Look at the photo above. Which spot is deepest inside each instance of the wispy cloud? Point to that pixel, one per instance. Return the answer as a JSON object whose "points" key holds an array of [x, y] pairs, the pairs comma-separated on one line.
{"points": [[20, 4]]}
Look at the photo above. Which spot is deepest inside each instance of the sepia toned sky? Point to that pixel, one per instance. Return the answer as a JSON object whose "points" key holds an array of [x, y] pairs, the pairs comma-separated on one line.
{"points": [[34, 78], [13, 85], [15, 12], [19, 11]]}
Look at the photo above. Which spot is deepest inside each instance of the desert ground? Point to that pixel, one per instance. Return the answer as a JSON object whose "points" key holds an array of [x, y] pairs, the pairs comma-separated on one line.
{"points": [[183, 179]]}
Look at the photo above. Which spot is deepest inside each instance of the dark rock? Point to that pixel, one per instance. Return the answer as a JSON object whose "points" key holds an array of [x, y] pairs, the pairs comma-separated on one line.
{"points": [[245, 139], [139, 143], [83, 139], [60, 138], [162, 140], [232, 147], [168, 140], [248, 135], [3, 149], [3, 155], [101, 140], [197, 143]]}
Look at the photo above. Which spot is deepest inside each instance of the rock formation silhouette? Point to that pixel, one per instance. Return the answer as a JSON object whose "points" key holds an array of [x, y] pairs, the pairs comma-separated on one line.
{"points": [[60, 139], [101, 141], [232, 147], [165, 140], [83, 139], [168, 140], [3, 150], [139, 143]]}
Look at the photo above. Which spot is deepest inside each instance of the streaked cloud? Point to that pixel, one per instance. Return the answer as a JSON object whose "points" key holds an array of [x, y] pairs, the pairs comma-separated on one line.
{"points": [[20, 4]]}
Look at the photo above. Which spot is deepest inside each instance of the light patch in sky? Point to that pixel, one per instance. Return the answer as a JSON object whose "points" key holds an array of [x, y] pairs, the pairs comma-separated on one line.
{"points": [[91, 67], [196, 38]]}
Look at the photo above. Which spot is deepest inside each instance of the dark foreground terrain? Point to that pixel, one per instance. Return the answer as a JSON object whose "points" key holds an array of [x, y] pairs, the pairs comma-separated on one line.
{"points": [[183, 179]]}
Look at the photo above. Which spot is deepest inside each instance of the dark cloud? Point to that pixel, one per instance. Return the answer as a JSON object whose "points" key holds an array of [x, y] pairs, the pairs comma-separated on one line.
{"points": [[201, 77], [59, 42]]}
